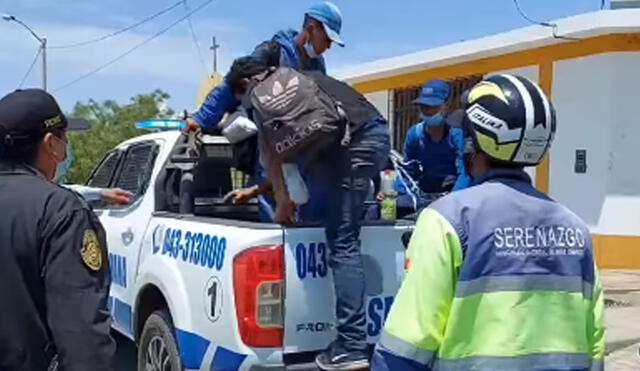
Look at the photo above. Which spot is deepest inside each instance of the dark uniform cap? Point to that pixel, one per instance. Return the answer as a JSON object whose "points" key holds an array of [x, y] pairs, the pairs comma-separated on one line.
{"points": [[29, 113]]}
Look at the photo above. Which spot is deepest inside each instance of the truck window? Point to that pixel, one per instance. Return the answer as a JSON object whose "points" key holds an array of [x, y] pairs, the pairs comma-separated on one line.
{"points": [[135, 172], [103, 175]]}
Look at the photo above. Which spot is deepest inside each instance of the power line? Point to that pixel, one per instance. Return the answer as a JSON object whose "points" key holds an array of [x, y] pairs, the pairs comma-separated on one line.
{"points": [[134, 48], [553, 26], [33, 64], [194, 38], [116, 33], [527, 18]]}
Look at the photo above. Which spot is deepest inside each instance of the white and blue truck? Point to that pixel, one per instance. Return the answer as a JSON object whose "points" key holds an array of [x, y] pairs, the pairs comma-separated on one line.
{"points": [[200, 284]]}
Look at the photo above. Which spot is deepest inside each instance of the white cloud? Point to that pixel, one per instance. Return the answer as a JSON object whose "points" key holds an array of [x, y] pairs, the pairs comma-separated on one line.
{"points": [[171, 56]]}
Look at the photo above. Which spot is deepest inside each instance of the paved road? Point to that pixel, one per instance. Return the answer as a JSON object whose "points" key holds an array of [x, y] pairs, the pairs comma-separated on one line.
{"points": [[626, 359], [623, 327]]}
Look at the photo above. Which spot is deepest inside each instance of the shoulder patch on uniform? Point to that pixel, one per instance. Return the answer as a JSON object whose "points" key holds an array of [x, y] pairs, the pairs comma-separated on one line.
{"points": [[91, 251]]}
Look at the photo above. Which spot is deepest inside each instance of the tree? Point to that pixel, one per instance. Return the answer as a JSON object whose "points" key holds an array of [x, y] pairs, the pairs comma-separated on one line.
{"points": [[111, 124]]}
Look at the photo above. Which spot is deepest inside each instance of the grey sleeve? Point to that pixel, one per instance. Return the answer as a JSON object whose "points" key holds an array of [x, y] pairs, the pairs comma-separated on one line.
{"points": [[88, 193]]}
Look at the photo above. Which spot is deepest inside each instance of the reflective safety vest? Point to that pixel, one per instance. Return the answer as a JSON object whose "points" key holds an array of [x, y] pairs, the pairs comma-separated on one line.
{"points": [[499, 277]]}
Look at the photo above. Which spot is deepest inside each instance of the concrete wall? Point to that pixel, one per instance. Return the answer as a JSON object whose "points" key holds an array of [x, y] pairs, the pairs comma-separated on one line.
{"points": [[582, 97], [380, 99], [596, 104], [383, 102], [621, 210]]}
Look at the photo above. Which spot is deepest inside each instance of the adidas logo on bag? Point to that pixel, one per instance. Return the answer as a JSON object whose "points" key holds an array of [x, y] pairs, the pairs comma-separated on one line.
{"points": [[291, 141], [281, 97]]}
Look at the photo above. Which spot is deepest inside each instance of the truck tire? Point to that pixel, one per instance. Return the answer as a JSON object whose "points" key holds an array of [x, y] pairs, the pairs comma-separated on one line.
{"points": [[158, 349]]}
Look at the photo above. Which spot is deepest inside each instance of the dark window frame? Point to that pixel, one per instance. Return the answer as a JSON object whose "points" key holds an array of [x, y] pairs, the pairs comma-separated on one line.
{"points": [[117, 170], [148, 170], [114, 171]]}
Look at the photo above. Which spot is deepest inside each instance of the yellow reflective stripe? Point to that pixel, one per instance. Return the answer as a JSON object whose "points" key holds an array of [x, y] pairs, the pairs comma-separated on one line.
{"points": [[512, 323], [541, 361], [595, 320], [421, 308], [406, 350], [528, 282]]}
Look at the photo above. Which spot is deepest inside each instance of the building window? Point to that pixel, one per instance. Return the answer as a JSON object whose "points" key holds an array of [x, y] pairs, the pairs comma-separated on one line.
{"points": [[406, 114]]}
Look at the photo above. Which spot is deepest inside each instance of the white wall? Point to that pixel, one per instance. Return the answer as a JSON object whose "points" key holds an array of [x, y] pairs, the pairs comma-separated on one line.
{"points": [[621, 210], [383, 102], [380, 99], [596, 103], [530, 72], [582, 97]]}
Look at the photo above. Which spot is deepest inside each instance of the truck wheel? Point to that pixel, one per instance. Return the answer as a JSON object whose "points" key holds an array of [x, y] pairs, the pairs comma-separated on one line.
{"points": [[158, 350]]}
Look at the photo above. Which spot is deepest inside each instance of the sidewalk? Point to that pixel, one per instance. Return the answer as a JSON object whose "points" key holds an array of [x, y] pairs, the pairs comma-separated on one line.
{"points": [[620, 281], [623, 360], [622, 318]]}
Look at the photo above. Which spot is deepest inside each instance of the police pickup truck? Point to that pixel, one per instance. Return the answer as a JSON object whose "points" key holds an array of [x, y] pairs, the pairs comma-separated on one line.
{"points": [[200, 284]]}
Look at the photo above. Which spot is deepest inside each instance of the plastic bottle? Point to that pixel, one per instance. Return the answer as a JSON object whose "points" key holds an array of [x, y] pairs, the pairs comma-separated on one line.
{"points": [[388, 206], [295, 184]]}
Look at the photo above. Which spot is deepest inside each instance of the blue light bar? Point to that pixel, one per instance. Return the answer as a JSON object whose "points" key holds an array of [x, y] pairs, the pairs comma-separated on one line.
{"points": [[162, 124]]}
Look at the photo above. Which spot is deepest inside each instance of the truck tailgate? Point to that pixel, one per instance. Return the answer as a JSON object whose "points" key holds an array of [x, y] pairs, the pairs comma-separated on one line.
{"points": [[309, 302]]}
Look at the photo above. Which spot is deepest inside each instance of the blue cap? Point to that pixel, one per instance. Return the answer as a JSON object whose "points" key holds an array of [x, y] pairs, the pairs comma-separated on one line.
{"points": [[329, 15], [434, 93]]}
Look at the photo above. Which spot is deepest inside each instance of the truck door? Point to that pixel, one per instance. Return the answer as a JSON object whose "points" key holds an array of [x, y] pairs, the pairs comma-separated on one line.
{"points": [[129, 169], [309, 302]]}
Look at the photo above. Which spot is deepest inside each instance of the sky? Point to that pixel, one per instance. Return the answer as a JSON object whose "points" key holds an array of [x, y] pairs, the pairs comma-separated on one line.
{"points": [[372, 30]]}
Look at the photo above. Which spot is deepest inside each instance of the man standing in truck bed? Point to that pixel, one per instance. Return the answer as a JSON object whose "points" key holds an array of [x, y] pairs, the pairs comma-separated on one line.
{"points": [[300, 50], [342, 167]]}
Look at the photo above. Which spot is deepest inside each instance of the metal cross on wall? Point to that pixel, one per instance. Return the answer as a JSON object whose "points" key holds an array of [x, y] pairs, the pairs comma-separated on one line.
{"points": [[214, 48]]}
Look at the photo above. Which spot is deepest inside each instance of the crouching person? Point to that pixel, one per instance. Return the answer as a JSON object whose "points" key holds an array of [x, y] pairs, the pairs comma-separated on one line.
{"points": [[341, 141]]}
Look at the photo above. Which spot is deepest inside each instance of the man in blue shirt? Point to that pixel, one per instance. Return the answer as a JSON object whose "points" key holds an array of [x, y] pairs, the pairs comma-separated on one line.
{"points": [[432, 149], [343, 171], [300, 50]]}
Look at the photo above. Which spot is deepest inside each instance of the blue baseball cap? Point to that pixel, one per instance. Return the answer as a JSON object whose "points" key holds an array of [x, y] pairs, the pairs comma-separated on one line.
{"points": [[329, 15], [434, 93]]}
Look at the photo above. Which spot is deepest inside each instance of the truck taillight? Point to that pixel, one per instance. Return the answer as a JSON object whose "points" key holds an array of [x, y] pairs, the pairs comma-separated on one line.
{"points": [[258, 278]]}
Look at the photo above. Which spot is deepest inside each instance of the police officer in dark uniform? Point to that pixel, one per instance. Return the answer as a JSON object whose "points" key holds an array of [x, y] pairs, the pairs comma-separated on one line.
{"points": [[54, 273]]}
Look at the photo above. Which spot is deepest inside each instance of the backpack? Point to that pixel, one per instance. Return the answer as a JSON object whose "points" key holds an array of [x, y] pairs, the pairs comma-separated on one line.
{"points": [[295, 115]]}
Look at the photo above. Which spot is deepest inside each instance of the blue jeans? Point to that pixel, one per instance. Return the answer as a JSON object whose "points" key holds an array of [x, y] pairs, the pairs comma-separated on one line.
{"points": [[348, 186]]}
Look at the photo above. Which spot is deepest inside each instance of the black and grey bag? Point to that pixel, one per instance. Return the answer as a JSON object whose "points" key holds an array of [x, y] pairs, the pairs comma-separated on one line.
{"points": [[295, 115]]}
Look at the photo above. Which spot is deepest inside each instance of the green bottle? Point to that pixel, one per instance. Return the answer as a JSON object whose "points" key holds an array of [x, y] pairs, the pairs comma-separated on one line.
{"points": [[388, 206]]}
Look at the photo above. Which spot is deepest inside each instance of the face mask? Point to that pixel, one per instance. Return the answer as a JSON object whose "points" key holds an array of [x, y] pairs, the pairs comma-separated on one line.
{"points": [[311, 51], [435, 120], [63, 167]]}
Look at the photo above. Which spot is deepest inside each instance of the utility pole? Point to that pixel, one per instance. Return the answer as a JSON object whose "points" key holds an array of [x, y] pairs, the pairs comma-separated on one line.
{"points": [[214, 48], [44, 63], [41, 40]]}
